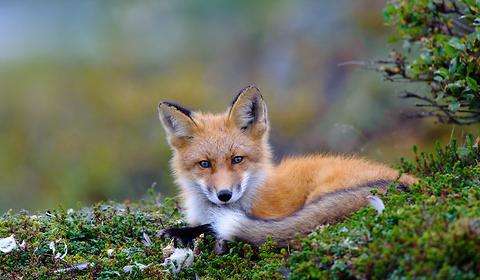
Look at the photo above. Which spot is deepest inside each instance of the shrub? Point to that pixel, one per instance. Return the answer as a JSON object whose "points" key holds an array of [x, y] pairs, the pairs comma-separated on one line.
{"points": [[441, 47]]}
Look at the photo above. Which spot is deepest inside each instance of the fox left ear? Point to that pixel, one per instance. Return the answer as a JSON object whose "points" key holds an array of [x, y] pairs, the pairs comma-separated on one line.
{"points": [[249, 111], [177, 121]]}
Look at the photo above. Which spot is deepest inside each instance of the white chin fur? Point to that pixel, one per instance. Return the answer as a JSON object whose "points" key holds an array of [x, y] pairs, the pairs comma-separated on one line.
{"points": [[226, 222]]}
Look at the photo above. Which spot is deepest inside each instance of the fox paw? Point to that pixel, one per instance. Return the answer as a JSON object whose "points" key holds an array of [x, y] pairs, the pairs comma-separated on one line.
{"points": [[170, 232], [185, 235], [182, 235]]}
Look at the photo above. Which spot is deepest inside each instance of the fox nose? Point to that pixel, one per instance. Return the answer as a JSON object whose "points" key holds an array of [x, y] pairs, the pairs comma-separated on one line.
{"points": [[224, 195]]}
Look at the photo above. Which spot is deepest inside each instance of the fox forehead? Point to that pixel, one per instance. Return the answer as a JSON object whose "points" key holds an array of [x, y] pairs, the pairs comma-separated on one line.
{"points": [[215, 138]]}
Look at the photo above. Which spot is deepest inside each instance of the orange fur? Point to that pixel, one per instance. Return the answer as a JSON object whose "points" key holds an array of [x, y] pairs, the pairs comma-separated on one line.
{"points": [[298, 181]]}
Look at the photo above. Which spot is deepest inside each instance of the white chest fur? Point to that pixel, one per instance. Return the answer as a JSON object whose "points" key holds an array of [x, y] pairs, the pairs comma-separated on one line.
{"points": [[199, 210], [196, 210]]}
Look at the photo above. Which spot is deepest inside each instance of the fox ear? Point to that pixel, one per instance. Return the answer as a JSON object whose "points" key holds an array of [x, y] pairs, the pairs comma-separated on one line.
{"points": [[177, 121], [249, 111]]}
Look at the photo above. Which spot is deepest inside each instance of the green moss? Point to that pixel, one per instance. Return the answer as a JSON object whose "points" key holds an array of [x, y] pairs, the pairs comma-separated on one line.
{"points": [[432, 231]]}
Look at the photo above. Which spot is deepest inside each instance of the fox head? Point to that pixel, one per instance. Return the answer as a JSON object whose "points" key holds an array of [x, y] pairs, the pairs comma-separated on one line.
{"points": [[221, 155]]}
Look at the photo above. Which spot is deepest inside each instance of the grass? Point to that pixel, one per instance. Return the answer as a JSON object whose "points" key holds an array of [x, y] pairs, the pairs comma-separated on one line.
{"points": [[430, 231]]}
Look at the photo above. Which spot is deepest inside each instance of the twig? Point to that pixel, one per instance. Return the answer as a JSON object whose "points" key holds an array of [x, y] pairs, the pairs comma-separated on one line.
{"points": [[451, 118]]}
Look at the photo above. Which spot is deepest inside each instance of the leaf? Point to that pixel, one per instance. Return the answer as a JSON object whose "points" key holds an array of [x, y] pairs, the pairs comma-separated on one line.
{"points": [[454, 106], [449, 50], [457, 44], [463, 152], [76, 267], [139, 266], [472, 83], [470, 2], [442, 73], [453, 87], [470, 68], [388, 12], [476, 21], [452, 68], [146, 240]]}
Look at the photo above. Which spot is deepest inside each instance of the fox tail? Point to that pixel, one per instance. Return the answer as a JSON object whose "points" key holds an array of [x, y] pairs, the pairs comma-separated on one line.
{"points": [[330, 208]]}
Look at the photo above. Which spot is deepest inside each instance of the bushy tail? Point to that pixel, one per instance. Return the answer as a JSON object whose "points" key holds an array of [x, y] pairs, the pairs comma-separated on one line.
{"points": [[327, 209]]}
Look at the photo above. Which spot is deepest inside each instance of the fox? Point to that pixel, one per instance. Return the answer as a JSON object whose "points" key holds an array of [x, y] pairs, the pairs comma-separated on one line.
{"points": [[230, 187]]}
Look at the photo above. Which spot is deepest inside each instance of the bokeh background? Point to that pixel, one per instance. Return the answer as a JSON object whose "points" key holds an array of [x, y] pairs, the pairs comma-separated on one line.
{"points": [[80, 81]]}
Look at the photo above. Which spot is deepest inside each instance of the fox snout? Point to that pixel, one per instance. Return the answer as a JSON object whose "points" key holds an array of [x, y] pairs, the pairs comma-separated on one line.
{"points": [[224, 186], [224, 195]]}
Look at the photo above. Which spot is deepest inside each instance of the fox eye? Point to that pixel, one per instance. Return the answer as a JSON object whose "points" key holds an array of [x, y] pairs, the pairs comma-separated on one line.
{"points": [[205, 164], [237, 159]]}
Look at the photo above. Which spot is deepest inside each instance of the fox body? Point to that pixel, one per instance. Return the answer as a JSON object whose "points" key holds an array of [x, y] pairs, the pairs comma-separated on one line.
{"points": [[229, 185]]}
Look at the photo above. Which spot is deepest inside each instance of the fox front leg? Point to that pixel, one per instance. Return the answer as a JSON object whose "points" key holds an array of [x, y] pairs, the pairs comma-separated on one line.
{"points": [[220, 246], [185, 235]]}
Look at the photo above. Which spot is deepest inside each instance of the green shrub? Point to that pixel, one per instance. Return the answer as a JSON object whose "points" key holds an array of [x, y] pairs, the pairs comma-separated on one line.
{"points": [[441, 48], [432, 231]]}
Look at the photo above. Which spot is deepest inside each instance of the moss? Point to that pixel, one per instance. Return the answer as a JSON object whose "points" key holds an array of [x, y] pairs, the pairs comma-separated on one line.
{"points": [[432, 230]]}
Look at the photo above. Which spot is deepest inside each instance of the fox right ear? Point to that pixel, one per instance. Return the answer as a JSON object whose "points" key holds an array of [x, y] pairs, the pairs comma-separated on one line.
{"points": [[249, 112], [177, 122]]}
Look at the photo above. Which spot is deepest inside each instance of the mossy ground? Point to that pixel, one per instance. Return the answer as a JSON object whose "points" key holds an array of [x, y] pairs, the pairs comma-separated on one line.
{"points": [[431, 231]]}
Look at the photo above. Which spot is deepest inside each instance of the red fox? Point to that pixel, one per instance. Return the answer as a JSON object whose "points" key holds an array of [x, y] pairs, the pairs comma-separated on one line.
{"points": [[230, 187]]}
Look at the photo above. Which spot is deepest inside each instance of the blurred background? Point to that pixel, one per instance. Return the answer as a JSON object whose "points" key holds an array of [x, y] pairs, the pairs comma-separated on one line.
{"points": [[80, 81]]}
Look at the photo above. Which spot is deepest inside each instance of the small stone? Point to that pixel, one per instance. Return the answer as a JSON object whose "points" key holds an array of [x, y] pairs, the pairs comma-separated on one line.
{"points": [[376, 203], [8, 244]]}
